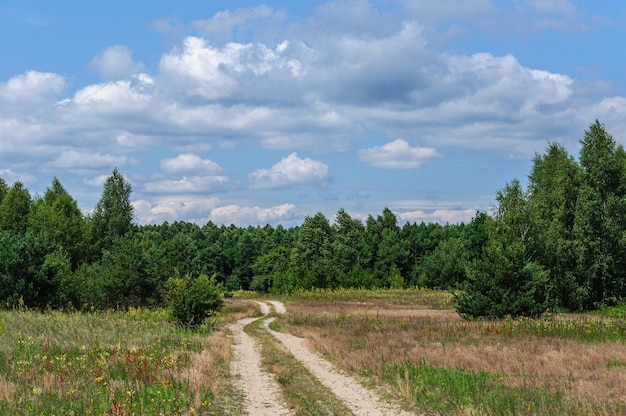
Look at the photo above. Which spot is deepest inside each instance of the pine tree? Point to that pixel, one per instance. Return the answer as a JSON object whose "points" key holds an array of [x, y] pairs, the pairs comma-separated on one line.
{"points": [[113, 215]]}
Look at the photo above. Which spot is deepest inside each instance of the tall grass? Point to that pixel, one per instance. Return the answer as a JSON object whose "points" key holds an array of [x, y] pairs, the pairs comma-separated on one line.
{"points": [[561, 364], [414, 296], [115, 363]]}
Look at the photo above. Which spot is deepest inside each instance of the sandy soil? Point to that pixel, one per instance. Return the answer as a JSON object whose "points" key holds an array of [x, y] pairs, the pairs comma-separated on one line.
{"points": [[262, 393]]}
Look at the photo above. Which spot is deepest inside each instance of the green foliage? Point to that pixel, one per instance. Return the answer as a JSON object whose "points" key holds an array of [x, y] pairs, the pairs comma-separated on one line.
{"points": [[451, 391], [193, 300], [502, 283], [113, 214], [14, 209], [600, 224], [267, 267], [29, 272], [445, 267], [506, 280], [57, 217], [311, 256], [556, 245], [395, 279], [135, 362]]}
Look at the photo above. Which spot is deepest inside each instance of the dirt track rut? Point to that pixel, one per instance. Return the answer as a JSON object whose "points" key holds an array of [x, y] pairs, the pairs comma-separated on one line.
{"points": [[262, 393]]}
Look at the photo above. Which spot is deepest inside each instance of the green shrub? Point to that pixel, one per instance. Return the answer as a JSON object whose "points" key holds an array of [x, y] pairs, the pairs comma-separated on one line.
{"points": [[192, 301]]}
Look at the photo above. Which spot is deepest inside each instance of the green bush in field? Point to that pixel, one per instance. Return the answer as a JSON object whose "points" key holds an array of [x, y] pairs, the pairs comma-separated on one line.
{"points": [[193, 300]]}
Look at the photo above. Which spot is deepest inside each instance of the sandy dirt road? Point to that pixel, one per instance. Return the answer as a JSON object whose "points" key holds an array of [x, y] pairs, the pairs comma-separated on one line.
{"points": [[262, 393]]}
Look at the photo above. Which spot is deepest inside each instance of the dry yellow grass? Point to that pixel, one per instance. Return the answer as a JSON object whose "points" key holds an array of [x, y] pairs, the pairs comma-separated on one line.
{"points": [[361, 339], [209, 368], [7, 388]]}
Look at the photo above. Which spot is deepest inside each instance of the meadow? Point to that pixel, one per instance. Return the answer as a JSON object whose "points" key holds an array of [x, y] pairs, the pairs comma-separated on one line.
{"points": [[136, 362], [410, 343], [434, 362]]}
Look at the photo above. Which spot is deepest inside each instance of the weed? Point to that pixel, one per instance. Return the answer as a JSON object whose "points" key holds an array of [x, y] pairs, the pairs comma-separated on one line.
{"points": [[111, 363]]}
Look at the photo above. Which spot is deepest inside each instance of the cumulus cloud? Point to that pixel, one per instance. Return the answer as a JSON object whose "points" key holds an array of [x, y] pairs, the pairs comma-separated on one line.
{"points": [[194, 184], [290, 171], [225, 24], [238, 215], [189, 163], [95, 182], [323, 84], [202, 71], [11, 177], [397, 154], [192, 208], [116, 63], [32, 86], [72, 159], [441, 216]]}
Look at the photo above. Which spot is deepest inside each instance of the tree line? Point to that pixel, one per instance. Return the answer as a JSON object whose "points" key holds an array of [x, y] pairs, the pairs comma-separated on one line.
{"points": [[556, 245]]}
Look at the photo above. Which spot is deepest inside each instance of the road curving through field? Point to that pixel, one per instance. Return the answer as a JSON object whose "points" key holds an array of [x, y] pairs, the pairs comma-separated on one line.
{"points": [[261, 388], [261, 391]]}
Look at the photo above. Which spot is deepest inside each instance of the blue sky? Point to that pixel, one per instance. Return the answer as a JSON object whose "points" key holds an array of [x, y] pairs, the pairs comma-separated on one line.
{"points": [[251, 113]]}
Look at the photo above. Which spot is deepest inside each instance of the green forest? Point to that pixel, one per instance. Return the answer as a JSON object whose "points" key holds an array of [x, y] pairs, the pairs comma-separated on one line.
{"points": [[558, 245]]}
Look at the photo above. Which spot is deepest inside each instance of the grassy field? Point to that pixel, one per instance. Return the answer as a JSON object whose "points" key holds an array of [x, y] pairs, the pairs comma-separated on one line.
{"points": [[411, 342], [115, 363]]}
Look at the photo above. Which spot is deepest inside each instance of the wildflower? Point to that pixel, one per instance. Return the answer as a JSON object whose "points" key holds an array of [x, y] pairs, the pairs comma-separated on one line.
{"points": [[101, 380]]}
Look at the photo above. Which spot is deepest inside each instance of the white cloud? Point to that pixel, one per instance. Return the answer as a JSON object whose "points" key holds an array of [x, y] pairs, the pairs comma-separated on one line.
{"points": [[32, 86], [116, 63], [189, 163], [173, 208], [95, 182], [397, 155], [441, 216], [199, 70], [194, 184], [238, 215], [11, 177], [223, 23], [290, 171], [72, 159], [348, 72], [115, 95]]}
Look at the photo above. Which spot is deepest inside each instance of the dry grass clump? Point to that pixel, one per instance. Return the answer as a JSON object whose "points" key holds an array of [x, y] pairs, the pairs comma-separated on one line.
{"points": [[7, 389], [572, 356], [236, 309], [208, 368]]}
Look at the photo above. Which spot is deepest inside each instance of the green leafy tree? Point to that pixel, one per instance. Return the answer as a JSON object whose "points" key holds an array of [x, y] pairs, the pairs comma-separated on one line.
{"points": [[387, 246], [15, 208], [349, 247], [445, 267], [126, 274], [113, 214], [193, 300], [554, 186], [501, 283], [28, 270], [506, 280], [311, 257], [600, 223], [4, 189], [57, 217], [475, 235], [271, 271]]}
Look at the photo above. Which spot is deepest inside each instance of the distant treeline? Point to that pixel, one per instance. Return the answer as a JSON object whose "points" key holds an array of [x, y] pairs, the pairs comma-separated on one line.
{"points": [[558, 245]]}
